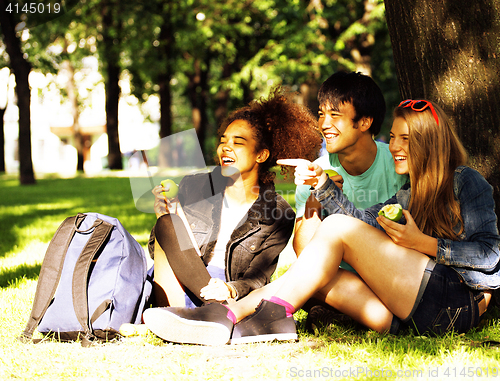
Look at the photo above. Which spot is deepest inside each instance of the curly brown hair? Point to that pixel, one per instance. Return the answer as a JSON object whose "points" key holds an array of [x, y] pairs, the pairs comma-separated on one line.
{"points": [[287, 129]]}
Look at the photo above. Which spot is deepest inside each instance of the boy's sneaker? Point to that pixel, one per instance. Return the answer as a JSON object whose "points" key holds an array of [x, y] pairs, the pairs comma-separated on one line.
{"points": [[268, 322], [206, 325]]}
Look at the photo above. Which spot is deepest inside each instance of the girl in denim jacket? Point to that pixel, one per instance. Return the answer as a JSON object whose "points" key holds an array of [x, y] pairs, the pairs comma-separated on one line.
{"points": [[432, 271]]}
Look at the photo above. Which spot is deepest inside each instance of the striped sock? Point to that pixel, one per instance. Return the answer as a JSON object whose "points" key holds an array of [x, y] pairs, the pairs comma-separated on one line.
{"points": [[288, 307]]}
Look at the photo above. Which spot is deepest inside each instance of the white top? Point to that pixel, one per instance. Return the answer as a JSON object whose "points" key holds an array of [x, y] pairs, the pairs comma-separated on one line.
{"points": [[231, 216]]}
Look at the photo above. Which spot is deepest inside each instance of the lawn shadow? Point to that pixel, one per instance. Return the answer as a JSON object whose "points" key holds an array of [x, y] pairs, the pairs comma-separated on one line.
{"points": [[11, 276], [10, 239], [55, 199]]}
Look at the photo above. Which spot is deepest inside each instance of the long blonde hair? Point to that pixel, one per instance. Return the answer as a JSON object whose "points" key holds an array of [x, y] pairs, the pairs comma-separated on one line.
{"points": [[434, 152]]}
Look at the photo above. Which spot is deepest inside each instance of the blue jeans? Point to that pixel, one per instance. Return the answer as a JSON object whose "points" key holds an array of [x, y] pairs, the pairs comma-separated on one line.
{"points": [[446, 304]]}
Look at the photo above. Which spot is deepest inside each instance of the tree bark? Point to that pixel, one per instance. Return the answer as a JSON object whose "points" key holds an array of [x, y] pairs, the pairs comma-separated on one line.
{"points": [[222, 96], [197, 93], [167, 41], [447, 51], [111, 33], [21, 68], [79, 140], [2, 140]]}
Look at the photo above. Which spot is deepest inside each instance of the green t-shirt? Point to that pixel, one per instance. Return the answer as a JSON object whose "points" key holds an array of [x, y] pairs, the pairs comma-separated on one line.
{"points": [[377, 184]]}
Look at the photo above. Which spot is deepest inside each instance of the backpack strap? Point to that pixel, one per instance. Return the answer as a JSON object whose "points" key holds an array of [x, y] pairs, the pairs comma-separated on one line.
{"points": [[50, 272], [102, 230]]}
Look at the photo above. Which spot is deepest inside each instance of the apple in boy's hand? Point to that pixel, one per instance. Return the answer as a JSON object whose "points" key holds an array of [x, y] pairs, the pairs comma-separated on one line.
{"points": [[393, 212], [330, 172], [171, 188]]}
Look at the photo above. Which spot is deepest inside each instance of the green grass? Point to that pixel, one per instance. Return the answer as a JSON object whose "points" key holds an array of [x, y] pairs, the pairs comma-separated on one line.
{"points": [[29, 216]]}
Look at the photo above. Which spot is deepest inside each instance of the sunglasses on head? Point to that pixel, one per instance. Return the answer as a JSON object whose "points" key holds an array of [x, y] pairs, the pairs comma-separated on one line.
{"points": [[420, 105]]}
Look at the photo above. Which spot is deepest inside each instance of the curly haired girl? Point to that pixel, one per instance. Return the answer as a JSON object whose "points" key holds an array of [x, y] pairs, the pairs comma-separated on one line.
{"points": [[240, 223]]}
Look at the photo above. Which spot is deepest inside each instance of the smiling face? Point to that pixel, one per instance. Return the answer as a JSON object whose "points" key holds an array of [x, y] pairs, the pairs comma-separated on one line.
{"points": [[398, 145], [338, 128], [237, 151]]}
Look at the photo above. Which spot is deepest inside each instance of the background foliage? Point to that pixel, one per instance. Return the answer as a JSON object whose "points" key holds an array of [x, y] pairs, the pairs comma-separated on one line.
{"points": [[204, 58]]}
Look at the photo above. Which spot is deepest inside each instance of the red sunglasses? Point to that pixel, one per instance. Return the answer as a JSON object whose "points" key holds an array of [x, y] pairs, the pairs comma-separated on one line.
{"points": [[420, 105]]}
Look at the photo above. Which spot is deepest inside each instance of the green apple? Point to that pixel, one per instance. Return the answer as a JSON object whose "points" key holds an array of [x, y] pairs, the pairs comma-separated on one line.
{"points": [[171, 188], [331, 172], [393, 212]]}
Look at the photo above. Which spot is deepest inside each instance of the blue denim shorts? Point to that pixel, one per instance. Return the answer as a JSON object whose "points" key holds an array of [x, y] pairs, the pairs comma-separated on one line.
{"points": [[191, 300], [446, 304]]}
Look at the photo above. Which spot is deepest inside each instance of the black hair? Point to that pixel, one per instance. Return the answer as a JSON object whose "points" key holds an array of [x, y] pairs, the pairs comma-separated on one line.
{"points": [[359, 90]]}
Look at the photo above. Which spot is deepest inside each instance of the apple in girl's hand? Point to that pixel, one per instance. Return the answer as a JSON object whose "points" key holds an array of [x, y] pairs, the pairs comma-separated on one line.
{"points": [[330, 172], [171, 188], [393, 212]]}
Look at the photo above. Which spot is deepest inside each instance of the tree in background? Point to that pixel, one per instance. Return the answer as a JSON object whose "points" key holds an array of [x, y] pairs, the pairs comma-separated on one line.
{"points": [[311, 40], [21, 68], [448, 51], [4, 91], [204, 58], [61, 48], [110, 49]]}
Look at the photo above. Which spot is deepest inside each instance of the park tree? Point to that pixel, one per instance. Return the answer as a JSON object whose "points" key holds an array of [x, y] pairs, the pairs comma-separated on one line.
{"points": [[200, 48], [4, 91], [448, 51], [224, 37], [61, 48], [115, 25], [312, 39], [21, 68]]}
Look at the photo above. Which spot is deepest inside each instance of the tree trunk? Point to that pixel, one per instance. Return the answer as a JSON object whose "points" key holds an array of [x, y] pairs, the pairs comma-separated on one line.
{"points": [[21, 68], [447, 51], [112, 100], [2, 140], [308, 95], [79, 140], [165, 56], [362, 47], [222, 97], [111, 33], [167, 41], [197, 93]]}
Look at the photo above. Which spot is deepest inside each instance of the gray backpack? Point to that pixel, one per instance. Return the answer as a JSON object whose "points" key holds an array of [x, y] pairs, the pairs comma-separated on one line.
{"points": [[93, 279]]}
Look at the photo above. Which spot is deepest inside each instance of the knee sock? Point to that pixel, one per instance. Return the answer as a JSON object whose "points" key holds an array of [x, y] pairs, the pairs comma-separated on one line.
{"points": [[187, 266], [230, 314], [288, 307]]}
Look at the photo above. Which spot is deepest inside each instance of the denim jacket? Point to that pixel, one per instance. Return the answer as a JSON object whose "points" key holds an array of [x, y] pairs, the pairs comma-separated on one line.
{"points": [[253, 250], [475, 256]]}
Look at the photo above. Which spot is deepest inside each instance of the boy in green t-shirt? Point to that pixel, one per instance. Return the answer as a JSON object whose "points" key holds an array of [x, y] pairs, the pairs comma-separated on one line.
{"points": [[351, 112]]}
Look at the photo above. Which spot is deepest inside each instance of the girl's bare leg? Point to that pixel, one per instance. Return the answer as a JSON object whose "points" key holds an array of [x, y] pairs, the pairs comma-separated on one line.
{"points": [[346, 292], [349, 294], [247, 305], [391, 271]]}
